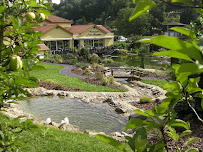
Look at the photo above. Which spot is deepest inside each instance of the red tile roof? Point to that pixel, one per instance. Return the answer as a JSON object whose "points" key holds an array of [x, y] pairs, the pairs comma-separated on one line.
{"points": [[103, 28], [82, 28], [43, 47], [45, 29], [56, 19], [79, 28]]}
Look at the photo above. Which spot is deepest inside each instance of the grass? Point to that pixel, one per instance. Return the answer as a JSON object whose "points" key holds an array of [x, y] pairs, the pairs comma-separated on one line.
{"points": [[51, 74], [159, 83], [44, 139]]}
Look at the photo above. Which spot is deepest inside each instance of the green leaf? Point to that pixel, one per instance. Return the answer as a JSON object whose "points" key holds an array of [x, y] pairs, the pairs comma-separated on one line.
{"points": [[14, 22], [188, 67], [192, 150], [141, 8], [185, 133], [44, 11], [199, 10], [144, 113], [173, 86], [2, 9], [190, 140], [4, 76], [176, 44], [20, 21], [158, 147], [161, 109], [179, 123], [190, 2], [185, 31], [135, 122], [172, 133], [112, 142], [140, 139], [174, 54], [135, 1]]}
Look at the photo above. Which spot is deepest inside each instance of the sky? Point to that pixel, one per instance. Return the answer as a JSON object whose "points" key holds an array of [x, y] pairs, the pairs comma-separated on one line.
{"points": [[56, 1]]}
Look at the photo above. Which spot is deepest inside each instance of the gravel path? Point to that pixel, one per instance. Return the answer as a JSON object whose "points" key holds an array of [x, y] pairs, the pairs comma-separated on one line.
{"points": [[66, 70]]}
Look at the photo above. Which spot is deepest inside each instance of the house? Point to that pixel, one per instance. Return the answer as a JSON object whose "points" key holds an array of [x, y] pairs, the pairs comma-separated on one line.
{"points": [[171, 32], [59, 34]]}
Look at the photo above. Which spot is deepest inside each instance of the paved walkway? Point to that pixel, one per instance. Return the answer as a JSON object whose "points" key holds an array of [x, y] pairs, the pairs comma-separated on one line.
{"points": [[67, 70]]}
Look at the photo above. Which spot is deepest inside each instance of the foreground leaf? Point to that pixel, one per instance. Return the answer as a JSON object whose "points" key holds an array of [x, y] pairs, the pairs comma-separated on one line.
{"points": [[176, 44], [179, 123], [190, 140], [140, 139], [184, 31], [174, 54], [141, 8], [112, 142]]}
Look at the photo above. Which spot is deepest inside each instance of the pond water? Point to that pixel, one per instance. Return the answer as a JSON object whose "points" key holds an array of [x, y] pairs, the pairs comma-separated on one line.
{"points": [[92, 116], [151, 61]]}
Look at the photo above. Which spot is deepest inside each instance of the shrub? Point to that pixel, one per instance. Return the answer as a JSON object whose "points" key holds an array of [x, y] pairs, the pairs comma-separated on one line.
{"points": [[121, 45], [58, 58], [99, 75], [82, 64], [47, 54], [69, 56], [106, 60], [84, 52], [136, 51], [79, 69], [145, 99], [49, 60], [94, 58], [105, 81], [111, 80], [73, 61], [123, 51], [88, 70]]}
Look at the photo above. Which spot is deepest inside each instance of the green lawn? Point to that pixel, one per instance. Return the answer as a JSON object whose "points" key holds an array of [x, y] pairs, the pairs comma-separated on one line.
{"points": [[159, 83], [52, 75], [44, 139]]}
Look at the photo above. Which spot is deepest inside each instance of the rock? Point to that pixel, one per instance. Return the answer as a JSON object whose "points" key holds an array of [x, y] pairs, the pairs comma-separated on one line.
{"points": [[50, 93], [69, 95], [110, 101], [69, 127], [121, 110], [118, 136], [136, 115], [92, 133], [85, 99], [41, 91], [130, 131], [61, 94]]}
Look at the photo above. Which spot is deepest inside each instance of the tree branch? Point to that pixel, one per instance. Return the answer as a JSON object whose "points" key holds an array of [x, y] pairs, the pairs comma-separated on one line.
{"points": [[200, 119]]}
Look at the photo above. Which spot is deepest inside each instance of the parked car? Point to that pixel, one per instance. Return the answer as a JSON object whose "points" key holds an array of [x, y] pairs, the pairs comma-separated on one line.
{"points": [[122, 39]]}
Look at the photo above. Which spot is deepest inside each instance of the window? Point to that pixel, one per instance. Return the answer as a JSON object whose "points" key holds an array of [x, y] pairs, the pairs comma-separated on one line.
{"points": [[53, 45]]}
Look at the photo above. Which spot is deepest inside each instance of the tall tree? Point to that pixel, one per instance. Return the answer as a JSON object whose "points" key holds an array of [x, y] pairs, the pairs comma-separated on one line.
{"points": [[188, 15], [140, 26]]}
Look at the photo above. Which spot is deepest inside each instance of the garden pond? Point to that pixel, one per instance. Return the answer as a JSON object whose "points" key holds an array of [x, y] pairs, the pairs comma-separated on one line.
{"points": [[149, 61], [99, 117]]}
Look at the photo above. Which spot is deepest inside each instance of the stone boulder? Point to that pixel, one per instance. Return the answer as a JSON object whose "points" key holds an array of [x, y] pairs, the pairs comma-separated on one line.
{"points": [[110, 101], [136, 115], [69, 127], [92, 133]]}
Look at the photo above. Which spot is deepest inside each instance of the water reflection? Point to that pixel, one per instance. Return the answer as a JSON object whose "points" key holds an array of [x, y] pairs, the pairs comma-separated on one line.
{"points": [[152, 61], [93, 116]]}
